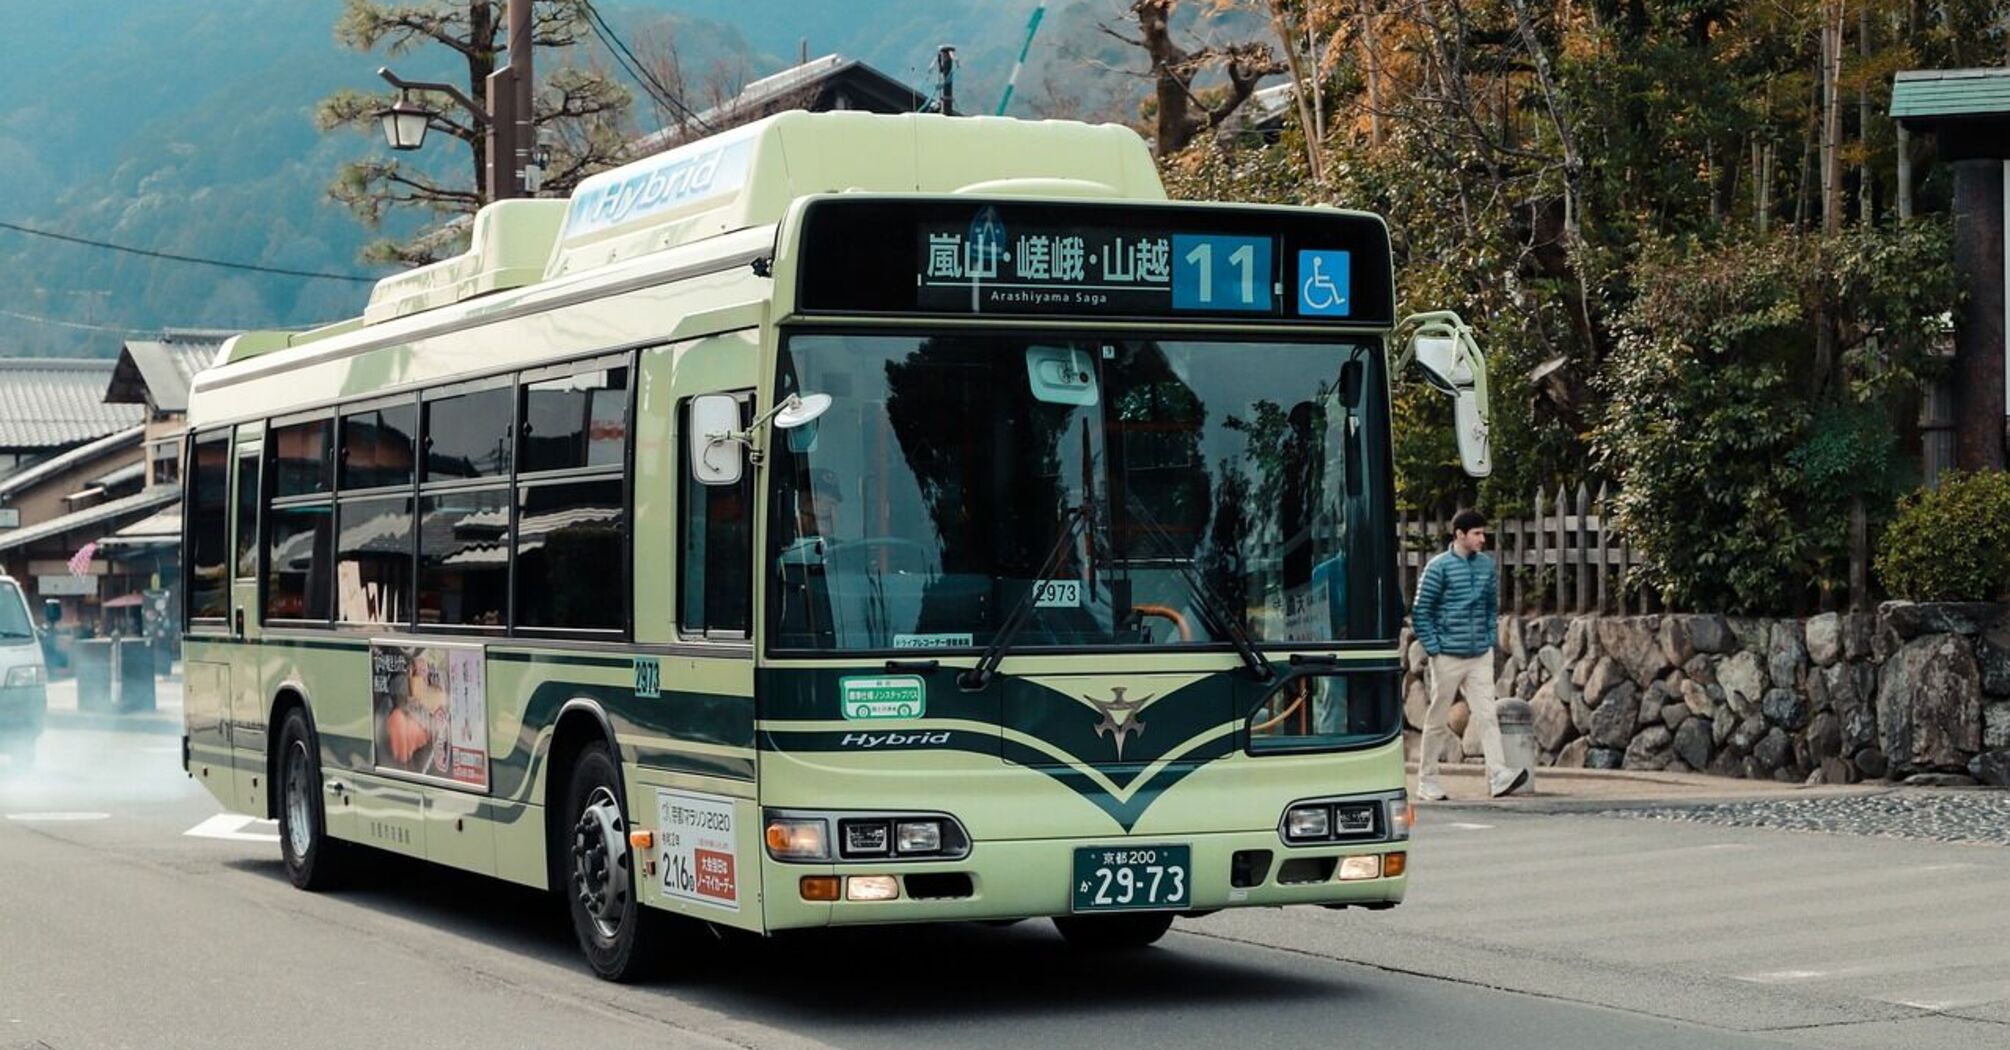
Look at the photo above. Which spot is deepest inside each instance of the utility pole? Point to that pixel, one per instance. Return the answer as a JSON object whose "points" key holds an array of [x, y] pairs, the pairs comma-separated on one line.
{"points": [[945, 79], [511, 134]]}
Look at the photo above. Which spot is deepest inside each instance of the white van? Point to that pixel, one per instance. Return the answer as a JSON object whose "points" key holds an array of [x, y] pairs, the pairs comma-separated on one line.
{"points": [[23, 697]]}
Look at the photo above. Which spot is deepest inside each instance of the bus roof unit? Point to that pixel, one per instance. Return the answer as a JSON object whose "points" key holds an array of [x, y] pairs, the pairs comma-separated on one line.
{"points": [[746, 177]]}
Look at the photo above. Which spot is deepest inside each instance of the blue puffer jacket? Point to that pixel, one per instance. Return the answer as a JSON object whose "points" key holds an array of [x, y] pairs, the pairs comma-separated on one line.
{"points": [[1457, 603]]}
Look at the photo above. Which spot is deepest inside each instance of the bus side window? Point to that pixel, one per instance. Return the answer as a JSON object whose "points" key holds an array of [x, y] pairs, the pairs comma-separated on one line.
{"points": [[715, 555]]}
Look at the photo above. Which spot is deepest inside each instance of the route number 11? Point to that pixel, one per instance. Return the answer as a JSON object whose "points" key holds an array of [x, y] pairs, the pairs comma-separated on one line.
{"points": [[1221, 273]]}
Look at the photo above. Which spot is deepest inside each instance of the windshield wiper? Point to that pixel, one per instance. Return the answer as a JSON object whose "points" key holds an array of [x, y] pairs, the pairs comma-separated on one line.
{"points": [[1210, 608], [980, 676]]}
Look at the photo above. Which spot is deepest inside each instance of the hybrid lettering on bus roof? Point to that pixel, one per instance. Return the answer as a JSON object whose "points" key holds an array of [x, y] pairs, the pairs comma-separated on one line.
{"points": [[709, 168], [1061, 259]]}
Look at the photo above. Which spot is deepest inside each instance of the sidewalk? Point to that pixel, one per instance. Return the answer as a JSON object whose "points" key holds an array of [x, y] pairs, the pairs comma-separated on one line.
{"points": [[165, 718], [1565, 790]]}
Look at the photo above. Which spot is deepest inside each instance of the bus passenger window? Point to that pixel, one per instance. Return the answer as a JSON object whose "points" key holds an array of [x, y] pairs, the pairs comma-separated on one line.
{"points": [[575, 422], [571, 556], [464, 558], [296, 567], [468, 435], [373, 561], [207, 590]]}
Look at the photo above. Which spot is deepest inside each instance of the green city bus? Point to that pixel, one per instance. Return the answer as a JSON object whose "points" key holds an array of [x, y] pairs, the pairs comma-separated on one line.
{"points": [[843, 519]]}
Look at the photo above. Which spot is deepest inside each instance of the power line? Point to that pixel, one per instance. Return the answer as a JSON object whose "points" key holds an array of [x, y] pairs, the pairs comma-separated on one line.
{"points": [[172, 257], [79, 325], [635, 67]]}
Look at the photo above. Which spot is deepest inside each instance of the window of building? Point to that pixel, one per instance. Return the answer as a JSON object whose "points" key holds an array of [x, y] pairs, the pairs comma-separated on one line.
{"points": [[716, 550], [166, 458], [206, 577]]}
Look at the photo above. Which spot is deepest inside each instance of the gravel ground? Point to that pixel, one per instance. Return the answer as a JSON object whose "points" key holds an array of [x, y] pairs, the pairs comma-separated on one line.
{"points": [[1980, 817]]}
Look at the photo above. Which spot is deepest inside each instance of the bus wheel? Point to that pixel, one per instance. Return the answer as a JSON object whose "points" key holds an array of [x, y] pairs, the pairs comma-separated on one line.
{"points": [[1114, 932], [612, 927], [313, 860]]}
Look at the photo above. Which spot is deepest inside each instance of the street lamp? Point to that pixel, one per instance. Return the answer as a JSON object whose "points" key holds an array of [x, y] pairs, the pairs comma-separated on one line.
{"points": [[506, 122], [405, 123]]}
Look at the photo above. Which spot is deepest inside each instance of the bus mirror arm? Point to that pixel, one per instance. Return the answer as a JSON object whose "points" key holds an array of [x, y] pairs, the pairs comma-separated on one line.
{"points": [[1441, 344]]}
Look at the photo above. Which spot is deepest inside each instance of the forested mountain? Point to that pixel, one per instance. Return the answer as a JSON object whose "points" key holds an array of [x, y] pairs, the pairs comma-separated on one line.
{"points": [[186, 126]]}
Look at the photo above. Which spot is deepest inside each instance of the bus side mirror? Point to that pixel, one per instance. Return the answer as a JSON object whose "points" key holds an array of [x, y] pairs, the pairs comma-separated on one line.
{"points": [[715, 439], [1444, 350]]}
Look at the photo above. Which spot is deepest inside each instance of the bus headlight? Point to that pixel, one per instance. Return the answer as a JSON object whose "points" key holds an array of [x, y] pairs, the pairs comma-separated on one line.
{"points": [[919, 836], [1308, 822], [798, 839], [26, 674]]}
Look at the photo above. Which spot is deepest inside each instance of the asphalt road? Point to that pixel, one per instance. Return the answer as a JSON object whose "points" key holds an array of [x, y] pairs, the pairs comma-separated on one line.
{"points": [[120, 929]]}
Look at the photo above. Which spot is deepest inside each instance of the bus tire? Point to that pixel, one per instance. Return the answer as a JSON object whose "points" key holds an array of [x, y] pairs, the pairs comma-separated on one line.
{"points": [[617, 935], [314, 861], [1104, 933]]}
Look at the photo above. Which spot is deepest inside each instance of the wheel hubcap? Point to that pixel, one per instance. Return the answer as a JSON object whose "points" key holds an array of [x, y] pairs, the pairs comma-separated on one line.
{"points": [[600, 862], [299, 819]]}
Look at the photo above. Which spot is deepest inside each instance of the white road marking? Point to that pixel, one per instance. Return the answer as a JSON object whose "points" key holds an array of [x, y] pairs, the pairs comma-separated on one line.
{"points": [[57, 818], [235, 827], [1464, 826], [1782, 976]]}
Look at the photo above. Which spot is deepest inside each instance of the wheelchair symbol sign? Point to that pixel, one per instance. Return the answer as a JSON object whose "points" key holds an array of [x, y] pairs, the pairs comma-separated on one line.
{"points": [[1323, 284]]}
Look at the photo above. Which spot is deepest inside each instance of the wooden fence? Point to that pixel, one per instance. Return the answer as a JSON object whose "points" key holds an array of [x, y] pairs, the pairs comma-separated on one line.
{"points": [[1562, 558]]}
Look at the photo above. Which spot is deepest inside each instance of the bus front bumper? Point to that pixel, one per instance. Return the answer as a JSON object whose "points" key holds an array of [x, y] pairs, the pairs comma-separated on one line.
{"points": [[1030, 878]]}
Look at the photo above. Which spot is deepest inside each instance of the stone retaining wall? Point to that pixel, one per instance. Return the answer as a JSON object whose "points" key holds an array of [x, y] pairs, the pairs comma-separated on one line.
{"points": [[1917, 689]]}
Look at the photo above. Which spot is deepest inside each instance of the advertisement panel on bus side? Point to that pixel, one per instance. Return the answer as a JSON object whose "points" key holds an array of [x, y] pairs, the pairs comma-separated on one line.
{"points": [[430, 712]]}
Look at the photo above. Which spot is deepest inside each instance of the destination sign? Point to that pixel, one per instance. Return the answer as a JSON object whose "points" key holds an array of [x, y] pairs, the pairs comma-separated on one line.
{"points": [[1198, 262]]}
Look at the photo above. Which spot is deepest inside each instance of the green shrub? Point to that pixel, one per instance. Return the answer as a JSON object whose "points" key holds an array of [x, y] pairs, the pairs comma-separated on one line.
{"points": [[1946, 543]]}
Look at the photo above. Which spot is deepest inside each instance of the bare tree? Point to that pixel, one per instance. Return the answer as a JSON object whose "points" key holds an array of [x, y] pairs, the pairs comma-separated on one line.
{"points": [[580, 111], [1183, 113]]}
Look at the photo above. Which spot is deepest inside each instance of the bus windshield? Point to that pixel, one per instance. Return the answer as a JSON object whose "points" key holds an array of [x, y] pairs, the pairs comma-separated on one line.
{"points": [[1126, 491]]}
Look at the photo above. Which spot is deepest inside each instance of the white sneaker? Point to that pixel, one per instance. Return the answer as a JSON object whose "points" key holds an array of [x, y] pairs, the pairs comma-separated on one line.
{"points": [[1429, 791], [1507, 782]]}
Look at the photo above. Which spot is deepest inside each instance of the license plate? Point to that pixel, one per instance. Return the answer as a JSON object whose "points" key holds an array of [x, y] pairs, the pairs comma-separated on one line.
{"points": [[1127, 878]]}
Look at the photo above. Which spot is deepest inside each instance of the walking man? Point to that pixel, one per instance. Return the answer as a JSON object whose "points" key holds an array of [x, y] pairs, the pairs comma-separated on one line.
{"points": [[1458, 603]]}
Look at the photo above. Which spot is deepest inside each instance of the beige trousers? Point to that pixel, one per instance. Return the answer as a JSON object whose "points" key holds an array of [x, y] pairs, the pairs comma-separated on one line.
{"points": [[1450, 675]]}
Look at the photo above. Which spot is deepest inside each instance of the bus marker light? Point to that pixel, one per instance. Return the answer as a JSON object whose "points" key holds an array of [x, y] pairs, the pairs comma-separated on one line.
{"points": [[798, 839], [641, 839], [1362, 866], [920, 836], [871, 888], [820, 887], [1393, 864]]}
